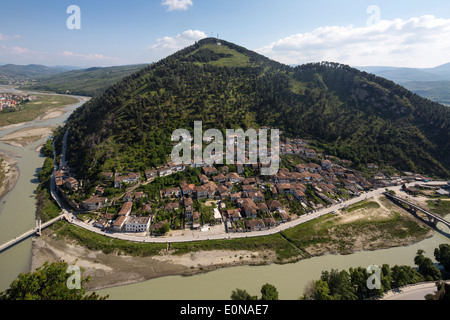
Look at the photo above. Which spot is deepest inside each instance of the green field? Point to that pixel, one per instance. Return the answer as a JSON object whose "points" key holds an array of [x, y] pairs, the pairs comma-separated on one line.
{"points": [[363, 205], [440, 207], [33, 109]]}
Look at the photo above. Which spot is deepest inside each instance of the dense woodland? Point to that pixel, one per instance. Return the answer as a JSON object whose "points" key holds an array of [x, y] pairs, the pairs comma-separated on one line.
{"points": [[352, 284], [348, 113]]}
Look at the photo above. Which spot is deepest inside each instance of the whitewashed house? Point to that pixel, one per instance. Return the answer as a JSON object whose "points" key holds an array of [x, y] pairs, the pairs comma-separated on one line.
{"points": [[137, 224]]}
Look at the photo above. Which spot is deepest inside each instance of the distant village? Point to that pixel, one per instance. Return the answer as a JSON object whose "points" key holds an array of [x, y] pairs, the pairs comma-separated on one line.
{"points": [[234, 196], [13, 101]]}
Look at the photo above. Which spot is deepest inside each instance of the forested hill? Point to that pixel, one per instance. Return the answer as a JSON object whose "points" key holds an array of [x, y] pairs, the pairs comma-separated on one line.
{"points": [[351, 114]]}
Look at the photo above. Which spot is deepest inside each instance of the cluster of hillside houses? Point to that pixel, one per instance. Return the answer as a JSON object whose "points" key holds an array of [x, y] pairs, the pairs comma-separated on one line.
{"points": [[256, 200], [9, 101]]}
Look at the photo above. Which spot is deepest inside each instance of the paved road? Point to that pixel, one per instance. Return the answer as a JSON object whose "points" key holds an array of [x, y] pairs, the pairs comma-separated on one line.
{"points": [[416, 292], [186, 238]]}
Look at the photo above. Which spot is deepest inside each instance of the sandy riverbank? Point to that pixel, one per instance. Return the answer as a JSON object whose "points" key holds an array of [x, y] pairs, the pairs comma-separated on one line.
{"points": [[110, 270], [53, 114], [24, 137], [10, 173]]}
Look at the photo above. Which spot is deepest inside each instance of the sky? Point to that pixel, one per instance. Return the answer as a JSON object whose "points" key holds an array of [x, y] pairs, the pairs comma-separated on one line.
{"points": [[109, 32]]}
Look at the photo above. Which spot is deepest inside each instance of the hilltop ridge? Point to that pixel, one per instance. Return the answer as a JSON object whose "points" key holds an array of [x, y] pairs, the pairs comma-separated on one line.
{"points": [[349, 113]]}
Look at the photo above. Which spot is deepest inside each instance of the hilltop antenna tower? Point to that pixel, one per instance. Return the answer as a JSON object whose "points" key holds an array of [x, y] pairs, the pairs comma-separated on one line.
{"points": [[218, 40]]}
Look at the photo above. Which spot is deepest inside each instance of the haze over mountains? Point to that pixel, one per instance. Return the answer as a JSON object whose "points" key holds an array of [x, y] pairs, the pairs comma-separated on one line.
{"points": [[29, 71], [400, 75], [431, 83], [65, 79]]}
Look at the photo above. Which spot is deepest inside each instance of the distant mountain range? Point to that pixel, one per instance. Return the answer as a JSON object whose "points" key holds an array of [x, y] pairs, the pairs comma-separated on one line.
{"points": [[402, 75], [65, 79], [29, 72], [431, 83]]}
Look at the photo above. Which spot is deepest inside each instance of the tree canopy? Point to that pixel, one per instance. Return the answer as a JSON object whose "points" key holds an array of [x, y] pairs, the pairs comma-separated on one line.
{"points": [[268, 292], [353, 285], [442, 255], [49, 282]]}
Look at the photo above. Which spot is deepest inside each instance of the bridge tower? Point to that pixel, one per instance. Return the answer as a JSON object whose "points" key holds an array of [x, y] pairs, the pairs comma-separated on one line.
{"points": [[39, 227], [433, 221]]}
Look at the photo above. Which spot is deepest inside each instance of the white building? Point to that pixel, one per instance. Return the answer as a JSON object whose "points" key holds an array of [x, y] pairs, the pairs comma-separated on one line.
{"points": [[137, 224], [217, 215]]}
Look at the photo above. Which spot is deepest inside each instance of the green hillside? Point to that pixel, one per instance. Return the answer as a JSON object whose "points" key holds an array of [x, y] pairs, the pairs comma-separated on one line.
{"points": [[351, 114], [12, 72], [86, 82]]}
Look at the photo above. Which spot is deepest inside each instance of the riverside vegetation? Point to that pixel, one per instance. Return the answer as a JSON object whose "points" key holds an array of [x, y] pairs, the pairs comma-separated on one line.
{"points": [[352, 284]]}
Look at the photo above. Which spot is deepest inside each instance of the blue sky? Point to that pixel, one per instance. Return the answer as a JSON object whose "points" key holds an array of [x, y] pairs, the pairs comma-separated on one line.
{"points": [[407, 33]]}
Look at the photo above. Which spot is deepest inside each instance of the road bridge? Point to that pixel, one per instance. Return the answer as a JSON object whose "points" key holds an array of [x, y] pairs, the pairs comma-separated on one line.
{"points": [[432, 218], [35, 231]]}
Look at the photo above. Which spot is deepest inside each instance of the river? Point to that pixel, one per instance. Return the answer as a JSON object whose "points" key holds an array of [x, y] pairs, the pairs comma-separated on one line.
{"points": [[18, 206], [17, 209], [289, 279]]}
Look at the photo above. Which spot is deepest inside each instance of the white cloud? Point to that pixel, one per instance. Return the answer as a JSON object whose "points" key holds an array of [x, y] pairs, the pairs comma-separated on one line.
{"points": [[5, 37], [169, 45], [90, 57], [5, 51], [417, 42], [177, 4]]}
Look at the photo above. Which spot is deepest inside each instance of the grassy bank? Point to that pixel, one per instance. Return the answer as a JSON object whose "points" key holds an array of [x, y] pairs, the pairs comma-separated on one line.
{"points": [[284, 250], [440, 207], [363, 205], [46, 207], [2, 172], [331, 232]]}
